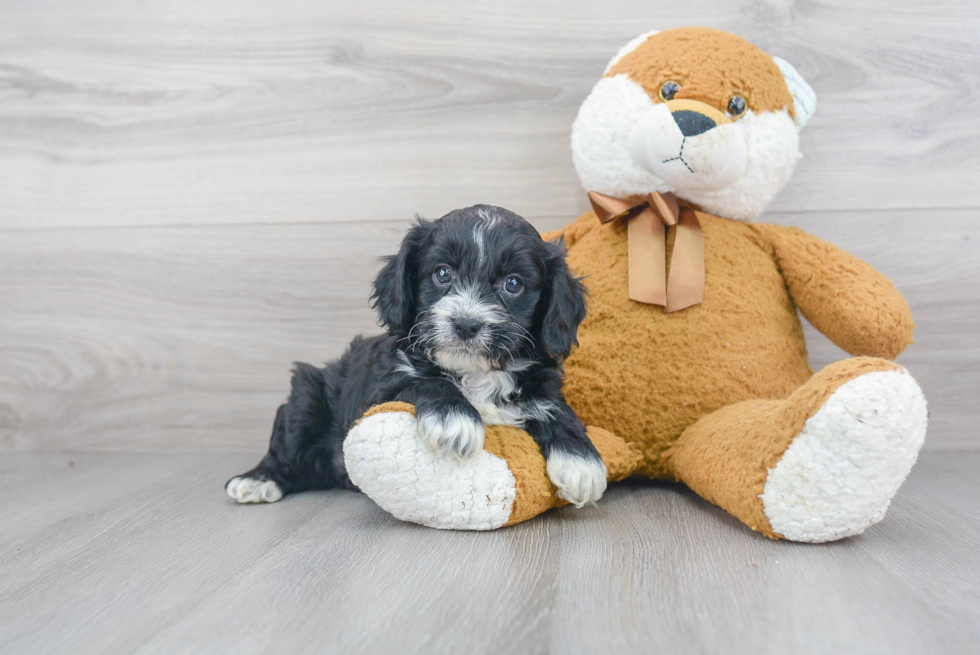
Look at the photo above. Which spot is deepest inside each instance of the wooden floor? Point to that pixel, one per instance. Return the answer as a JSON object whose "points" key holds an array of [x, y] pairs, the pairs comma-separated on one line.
{"points": [[119, 553]]}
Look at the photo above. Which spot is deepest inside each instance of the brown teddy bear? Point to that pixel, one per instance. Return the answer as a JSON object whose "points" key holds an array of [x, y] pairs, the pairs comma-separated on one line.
{"points": [[692, 365]]}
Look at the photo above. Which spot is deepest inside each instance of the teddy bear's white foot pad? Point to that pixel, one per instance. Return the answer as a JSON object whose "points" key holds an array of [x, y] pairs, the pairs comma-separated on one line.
{"points": [[388, 461], [250, 490], [839, 474]]}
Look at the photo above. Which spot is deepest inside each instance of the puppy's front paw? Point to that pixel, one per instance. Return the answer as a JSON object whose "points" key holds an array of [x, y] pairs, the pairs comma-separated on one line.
{"points": [[580, 480], [451, 432], [250, 490]]}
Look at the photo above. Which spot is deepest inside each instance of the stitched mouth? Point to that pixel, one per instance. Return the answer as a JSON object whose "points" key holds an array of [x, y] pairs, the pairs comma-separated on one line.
{"points": [[680, 157]]}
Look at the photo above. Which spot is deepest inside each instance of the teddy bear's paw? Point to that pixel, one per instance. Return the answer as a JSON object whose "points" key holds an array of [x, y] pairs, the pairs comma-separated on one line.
{"points": [[839, 474], [579, 480], [388, 461], [250, 490], [452, 433]]}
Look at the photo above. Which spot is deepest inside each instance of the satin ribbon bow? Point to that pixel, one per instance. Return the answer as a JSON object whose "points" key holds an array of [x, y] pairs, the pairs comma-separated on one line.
{"points": [[648, 218]]}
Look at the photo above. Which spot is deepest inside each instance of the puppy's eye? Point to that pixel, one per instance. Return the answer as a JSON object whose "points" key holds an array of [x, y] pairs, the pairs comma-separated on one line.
{"points": [[669, 90], [513, 285], [443, 276], [736, 106]]}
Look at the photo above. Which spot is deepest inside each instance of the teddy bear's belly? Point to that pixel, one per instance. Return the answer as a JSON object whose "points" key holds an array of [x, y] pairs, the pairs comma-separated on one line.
{"points": [[647, 375]]}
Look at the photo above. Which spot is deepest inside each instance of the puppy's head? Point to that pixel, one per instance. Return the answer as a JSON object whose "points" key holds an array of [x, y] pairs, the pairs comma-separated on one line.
{"points": [[479, 289]]}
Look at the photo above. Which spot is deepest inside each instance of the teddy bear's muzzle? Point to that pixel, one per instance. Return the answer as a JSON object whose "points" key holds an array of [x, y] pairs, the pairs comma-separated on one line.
{"points": [[690, 145]]}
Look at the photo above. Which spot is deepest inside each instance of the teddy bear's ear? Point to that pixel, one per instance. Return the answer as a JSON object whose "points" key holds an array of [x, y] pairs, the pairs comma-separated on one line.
{"points": [[804, 98], [628, 48]]}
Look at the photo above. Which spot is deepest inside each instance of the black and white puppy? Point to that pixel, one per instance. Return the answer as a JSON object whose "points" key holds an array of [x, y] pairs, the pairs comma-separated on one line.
{"points": [[480, 313]]}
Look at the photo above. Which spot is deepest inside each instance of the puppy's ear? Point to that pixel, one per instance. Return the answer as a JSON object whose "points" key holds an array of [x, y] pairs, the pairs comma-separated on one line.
{"points": [[565, 305], [394, 286]]}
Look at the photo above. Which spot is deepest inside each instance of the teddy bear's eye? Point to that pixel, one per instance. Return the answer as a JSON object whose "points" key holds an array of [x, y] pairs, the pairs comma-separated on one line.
{"points": [[736, 106], [669, 90]]}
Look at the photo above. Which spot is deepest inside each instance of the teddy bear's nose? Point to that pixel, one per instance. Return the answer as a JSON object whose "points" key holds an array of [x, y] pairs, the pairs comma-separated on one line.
{"points": [[692, 123]]}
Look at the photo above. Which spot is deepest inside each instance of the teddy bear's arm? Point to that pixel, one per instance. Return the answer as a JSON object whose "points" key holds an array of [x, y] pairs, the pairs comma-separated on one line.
{"points": [[855, 306]]}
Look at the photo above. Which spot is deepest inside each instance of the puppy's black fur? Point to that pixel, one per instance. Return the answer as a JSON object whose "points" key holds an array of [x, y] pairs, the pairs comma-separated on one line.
{"points": [[480, 313]]}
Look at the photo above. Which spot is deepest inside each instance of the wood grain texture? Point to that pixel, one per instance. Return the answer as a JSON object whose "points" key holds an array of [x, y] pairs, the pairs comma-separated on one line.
{"points": [[181, 338], [230, 111], [144, 553], [195, 194]]}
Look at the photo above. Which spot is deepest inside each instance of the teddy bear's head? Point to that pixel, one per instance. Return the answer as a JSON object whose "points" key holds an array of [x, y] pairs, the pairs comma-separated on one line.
{"points": [[697, 112]]}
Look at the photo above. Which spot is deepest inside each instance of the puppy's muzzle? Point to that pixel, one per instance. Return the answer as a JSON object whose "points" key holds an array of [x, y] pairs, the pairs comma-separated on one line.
{"points": [[690, 145]]}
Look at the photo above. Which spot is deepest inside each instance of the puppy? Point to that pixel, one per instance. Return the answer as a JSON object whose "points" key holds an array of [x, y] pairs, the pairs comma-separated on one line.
{"points": [[480, 313]]}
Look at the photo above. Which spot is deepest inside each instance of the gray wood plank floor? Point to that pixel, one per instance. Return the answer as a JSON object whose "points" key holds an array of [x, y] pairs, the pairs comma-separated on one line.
{"points": [[105, 553]]}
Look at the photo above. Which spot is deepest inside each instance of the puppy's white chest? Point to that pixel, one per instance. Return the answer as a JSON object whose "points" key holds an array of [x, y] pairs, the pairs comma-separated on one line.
{"points": [[490, 392], [506, 414]]}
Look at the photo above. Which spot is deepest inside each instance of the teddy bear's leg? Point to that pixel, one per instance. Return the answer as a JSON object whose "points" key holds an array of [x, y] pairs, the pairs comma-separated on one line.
{"points": [[506, 483], [822, 464]]}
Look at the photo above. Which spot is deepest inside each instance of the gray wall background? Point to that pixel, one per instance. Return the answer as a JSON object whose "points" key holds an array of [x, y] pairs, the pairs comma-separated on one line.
{"points": [[195, 194]]}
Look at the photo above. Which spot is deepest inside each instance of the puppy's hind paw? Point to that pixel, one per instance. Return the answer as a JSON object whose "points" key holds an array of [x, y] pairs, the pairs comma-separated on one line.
{"points": [[452, 433], [250, 490], [580, 480]]}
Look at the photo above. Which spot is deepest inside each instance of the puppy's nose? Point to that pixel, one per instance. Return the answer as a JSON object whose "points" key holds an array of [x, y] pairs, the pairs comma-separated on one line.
{"points": [[466, 328], [693, 123]]}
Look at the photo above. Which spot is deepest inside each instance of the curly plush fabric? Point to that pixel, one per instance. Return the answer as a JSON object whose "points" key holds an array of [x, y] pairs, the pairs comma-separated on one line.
{"points": [[708, 65], [387, 461], [854, 305], [504, 484], [838, 476], [743, 342]]}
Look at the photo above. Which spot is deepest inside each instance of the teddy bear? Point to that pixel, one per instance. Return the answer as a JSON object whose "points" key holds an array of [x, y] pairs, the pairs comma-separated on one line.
{"points": [[692, 364]]}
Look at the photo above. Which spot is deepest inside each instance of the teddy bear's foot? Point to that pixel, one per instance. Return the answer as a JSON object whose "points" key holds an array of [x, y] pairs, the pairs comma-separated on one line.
{"points": [[819, 465], [503, 484], [839, 474], [388, 461]]}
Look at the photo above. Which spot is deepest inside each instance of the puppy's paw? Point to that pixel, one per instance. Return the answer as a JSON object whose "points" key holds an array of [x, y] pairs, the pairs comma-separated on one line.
{"points": [[451, 433], [250, 490], [580, 480]]}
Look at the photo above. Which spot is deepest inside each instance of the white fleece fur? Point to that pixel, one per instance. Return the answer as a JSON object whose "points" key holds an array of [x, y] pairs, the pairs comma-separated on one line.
{"points": [[839, 474], [408, 479], [707, 161], [601, 152], [773, 148], [600, 139]]}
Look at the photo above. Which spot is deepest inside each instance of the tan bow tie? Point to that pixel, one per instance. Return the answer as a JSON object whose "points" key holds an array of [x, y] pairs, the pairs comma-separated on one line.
{"points": [[648, 218]]}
